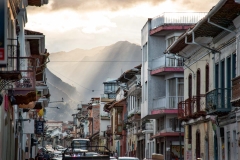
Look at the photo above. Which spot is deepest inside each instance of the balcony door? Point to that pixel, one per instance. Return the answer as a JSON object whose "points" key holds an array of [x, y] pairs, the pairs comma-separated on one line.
{"points": [[188, 109], [198, 90], [198, 144]]}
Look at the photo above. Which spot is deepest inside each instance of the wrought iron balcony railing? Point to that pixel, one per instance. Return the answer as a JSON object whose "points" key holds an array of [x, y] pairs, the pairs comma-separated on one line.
{"points": [[199, 106], [185, 109], [236, 91], [28, 71], [218, 101], [192, 107]]}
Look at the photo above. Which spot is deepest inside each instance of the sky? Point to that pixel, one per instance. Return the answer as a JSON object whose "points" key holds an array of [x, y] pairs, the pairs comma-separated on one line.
{"points": [[86, 24]]}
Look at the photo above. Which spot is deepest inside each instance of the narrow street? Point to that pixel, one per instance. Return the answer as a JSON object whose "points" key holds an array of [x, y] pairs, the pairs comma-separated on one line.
{"points": [[119, 80]]}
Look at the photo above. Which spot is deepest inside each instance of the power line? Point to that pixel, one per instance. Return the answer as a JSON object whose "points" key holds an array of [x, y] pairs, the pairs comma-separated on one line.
{"points": [[98, 61], [76, 83]]}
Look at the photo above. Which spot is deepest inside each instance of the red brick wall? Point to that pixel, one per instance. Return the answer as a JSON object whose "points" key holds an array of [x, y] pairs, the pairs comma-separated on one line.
{"points": [[95, 113]]}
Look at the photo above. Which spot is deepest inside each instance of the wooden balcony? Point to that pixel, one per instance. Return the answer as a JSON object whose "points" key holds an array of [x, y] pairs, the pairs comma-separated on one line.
{"points": [[134, 117], [199, 106], [109, 130], [218, 101], [185, 109], [235, 91]]}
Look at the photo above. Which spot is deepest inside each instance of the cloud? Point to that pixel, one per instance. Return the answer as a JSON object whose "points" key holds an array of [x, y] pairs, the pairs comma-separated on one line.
{"points": [[70, 24], [94, 5]]}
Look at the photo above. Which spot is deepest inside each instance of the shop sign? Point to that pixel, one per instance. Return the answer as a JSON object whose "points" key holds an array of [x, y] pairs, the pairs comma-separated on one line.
{"points": [[3, 6], [39, 127]]}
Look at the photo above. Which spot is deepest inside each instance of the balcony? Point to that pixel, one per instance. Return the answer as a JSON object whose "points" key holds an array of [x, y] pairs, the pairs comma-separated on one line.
{"points": [[167, 63], [199, 106], [105, 116], [135, 110], [109, 130], [147, 126], [180, 20], [166, 102], [218, 101], [236, 91], [134, 117], [185, 109]]}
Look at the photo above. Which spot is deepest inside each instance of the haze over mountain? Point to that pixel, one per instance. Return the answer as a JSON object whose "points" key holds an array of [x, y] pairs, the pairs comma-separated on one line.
{"points": [[84, 72]]}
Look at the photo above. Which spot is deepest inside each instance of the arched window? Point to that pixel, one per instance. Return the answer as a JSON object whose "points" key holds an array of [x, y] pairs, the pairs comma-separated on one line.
{"points": [[190, 86], [198, 144], [207, 78], [198, 89], [188, 108]]}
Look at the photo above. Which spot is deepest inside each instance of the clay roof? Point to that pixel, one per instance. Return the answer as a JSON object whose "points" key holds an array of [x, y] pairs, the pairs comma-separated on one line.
{"points": [[129, 74], [37, 3], [28, 32]]}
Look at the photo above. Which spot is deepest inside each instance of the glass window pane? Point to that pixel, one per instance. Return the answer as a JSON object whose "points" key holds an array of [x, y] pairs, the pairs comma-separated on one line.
{"points": [[172, 87]]}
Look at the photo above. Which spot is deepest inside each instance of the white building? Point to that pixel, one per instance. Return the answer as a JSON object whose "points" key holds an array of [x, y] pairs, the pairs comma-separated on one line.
{"points": [[162, 81]]}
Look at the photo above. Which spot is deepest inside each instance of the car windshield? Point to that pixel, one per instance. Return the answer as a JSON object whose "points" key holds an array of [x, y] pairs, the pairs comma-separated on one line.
{"points": [[82, 144], [128, 158]]}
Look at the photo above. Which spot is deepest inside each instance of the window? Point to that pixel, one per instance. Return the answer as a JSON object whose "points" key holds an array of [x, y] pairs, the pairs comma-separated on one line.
{"points": [[172, 87], [222, 79], [190, 86], [234, 65], [216, 75], [180, 89], [161, 123], [145, 52], [207, 79], [198, 144], [146, 91], [189, 134], [198, 90], [118, 120], [171, 40]]}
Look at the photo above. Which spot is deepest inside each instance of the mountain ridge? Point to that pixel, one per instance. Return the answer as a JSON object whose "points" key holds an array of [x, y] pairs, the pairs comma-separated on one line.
{"points": [[81, 75]]}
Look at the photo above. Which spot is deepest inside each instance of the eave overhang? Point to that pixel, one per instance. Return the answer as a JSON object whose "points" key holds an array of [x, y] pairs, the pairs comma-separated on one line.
{"points": [[222, 14]]}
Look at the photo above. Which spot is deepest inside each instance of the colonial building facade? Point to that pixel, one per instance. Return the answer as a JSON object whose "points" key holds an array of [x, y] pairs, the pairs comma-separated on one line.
{"points": [[210, 55]]}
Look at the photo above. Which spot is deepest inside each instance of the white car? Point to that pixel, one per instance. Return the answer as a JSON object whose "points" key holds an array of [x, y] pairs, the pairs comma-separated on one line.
{"points": [[128, 158]]}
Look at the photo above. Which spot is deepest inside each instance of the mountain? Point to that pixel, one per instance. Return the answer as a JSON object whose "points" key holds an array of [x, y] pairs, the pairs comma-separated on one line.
{"points": [[82, 72], [58, 90]]}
